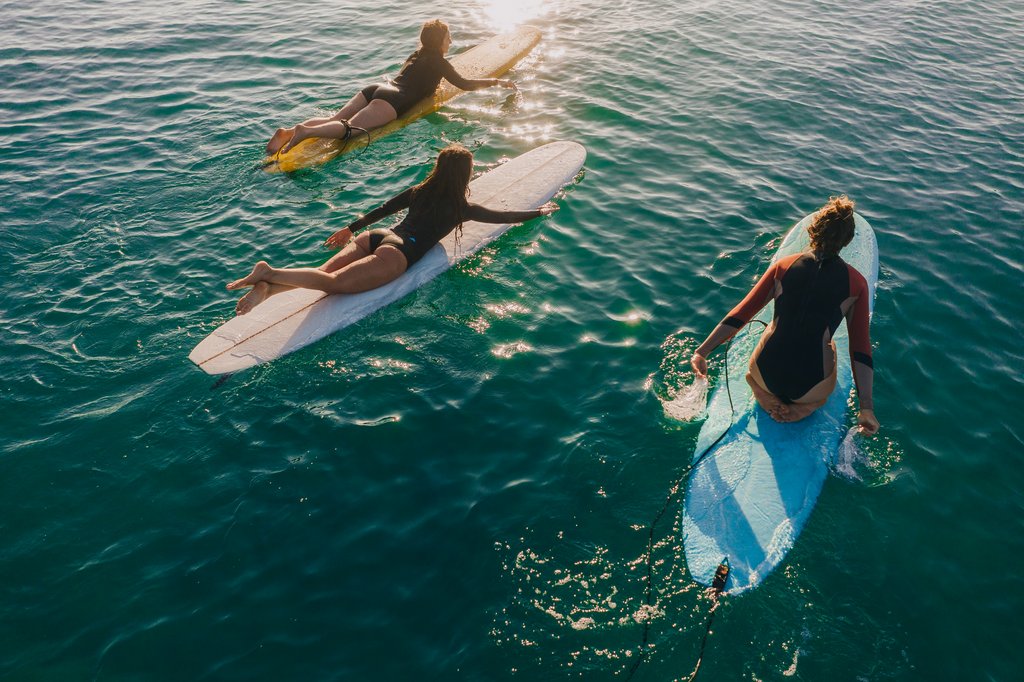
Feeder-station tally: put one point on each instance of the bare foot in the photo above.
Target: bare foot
(296, 137)
(279, 138)
(259, 272)
(798, 411)
(259, 293)
(775, 408)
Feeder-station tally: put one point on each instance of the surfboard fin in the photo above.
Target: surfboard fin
(721, 575)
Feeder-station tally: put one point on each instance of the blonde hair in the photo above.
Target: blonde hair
(832, 227)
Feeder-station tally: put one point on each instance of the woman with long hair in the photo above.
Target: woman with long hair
(435, 206)
(793, 369)
(375, 105)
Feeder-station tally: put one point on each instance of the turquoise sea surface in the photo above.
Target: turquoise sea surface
(459, 487)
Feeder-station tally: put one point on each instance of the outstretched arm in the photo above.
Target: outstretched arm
(390, 207)
(737, 318)
(462, 83)
(482, 214)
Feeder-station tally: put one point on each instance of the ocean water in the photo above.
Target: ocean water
(459, 486)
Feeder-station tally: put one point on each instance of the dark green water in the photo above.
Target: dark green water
(459, 486)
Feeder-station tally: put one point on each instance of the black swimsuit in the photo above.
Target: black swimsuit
(423, 226)
(419, 78)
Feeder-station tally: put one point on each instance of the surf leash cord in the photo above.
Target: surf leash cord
(276, 158)
(717, 585)
(723, 569)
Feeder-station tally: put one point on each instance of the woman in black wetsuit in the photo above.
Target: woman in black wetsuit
(375, 105)
(436, 206)
(793, 369)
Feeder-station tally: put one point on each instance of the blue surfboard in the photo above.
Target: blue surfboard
(749, 498)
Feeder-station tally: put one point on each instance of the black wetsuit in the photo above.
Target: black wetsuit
(809, 306)
(424, 226)
(419, 78)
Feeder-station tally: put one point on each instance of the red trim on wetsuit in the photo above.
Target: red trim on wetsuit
(858, 323)
(858, 319)
(759, 296)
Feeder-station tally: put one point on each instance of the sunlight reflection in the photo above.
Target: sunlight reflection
(504, 15)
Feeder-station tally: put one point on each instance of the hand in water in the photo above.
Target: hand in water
(548, 208)
(699, 364)
(339, 238)
(511, 85)
(868, 423)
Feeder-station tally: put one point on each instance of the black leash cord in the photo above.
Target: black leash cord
(348, 136)
(717, 585)
(365, 132)
(649, 587)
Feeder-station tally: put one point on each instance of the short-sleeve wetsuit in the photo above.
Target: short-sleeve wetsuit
(423, 226)
(811, 299)
(419, 78)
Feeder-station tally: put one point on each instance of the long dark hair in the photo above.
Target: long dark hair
(446, 189)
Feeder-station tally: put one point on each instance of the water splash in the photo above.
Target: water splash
(850, 457)
(683, 394)
(870, 460)
(690, 402)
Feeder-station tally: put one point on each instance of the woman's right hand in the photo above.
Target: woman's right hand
(339, 238)
(548, 208)
(511, 85)
(868, 422)
(699, 364)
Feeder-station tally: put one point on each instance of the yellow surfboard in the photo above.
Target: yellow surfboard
(489, 59)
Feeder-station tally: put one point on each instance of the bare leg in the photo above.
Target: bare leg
(261, 291)
(283, 135)
(374, 115)
(335, 130)
(356, 249)
(386, 264)
(351, 107)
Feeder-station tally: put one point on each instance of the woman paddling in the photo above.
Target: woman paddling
(376, 105)
(793, 368)
(436, 206)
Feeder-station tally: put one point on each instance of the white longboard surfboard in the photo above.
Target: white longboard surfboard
(748, 499)
(291, 320)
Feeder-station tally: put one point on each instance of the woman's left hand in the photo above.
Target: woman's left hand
(339, 238)
(511, 85)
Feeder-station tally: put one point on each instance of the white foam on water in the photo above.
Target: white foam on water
(850, 454)
(690, 402)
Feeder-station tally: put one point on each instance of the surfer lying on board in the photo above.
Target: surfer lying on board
(376, 105)
(436, 206)
(793, 368)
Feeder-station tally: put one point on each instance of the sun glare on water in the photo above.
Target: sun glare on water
(504, 15)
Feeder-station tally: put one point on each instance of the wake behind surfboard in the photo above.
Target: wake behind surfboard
(490, 59)
(748, 499)
(294, 319)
